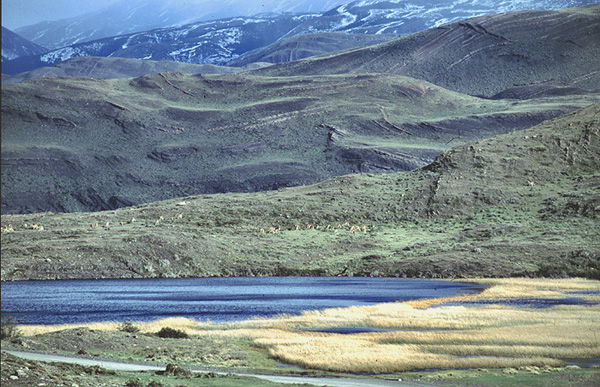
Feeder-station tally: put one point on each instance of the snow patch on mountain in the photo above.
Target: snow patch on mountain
(222, 40)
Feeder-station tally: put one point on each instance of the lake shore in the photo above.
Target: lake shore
(499, 336)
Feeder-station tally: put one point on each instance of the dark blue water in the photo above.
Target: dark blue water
(215, 299)
(535, 303)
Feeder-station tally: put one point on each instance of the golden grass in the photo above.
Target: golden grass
(154, 326)
(427, 333)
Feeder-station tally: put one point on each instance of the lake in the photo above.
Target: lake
(215, 299)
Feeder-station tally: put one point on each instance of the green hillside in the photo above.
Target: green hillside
(520, 204)
(80, 144)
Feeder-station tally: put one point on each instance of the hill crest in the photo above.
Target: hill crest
(481, 56)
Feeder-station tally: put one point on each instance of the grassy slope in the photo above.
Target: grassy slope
(83, 144)
(483, 55)
(471, 213)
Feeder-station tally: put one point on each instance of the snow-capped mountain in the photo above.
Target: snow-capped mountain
(213, 42)
(409, 16)
(15, 46)
(131, 16)
(222, 41)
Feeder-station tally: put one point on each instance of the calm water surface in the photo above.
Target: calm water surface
(215, 299)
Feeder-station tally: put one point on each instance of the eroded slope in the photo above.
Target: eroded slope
(86, 145)
(521, 204)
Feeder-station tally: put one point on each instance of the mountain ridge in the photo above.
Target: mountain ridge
(15, 46)
(224, 40)
(104, 144)
(134, 16)
(481, 56)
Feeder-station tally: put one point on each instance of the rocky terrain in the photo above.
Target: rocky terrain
(83, 144)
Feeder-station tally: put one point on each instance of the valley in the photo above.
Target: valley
(375, 139)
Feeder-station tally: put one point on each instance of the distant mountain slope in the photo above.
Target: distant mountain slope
(484, 55)
(132, 16)
(409, 16)
(95, 67)
(223, 41)
(213, 42)
(307, 45)
(82, 144)
(521, 204)
(15, 46)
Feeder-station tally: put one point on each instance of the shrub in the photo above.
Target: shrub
(9, 328)
(128, 326)
(177, 370)
(134, 383)
(170, 333)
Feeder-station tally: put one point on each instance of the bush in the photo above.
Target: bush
(134, 383)
(177, 370)
(170, 333)
(9, 328)
(128, 326)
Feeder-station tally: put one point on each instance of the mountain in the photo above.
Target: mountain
(214, 42)
(14, 46)
(131, 16)
(95, 67)
(406, 16)
(520, 204)
(225, 40)
(484, 55)
(307, 45)
(82, 144)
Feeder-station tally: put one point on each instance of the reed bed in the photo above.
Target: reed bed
(424, 334)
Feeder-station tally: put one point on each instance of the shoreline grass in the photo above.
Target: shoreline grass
(425, 334)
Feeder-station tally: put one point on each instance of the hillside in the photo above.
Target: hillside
(15, 46)
(520, 204)
(224, 39)
(96, 67)
(482, 56)
(210, 42)
(80, 144)
(307, 45)
(132, 16)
